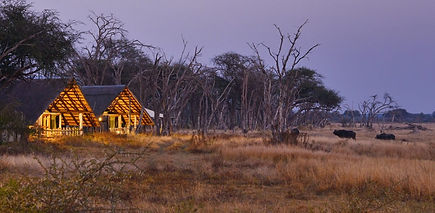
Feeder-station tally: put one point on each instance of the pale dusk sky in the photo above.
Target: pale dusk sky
(367, 47)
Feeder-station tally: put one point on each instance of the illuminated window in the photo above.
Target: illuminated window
(113, 122)
(54, 121)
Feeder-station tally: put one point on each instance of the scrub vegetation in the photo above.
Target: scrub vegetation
(224, 172)
(224, 137)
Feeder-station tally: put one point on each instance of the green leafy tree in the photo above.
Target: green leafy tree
(31, 42)
(307, 93)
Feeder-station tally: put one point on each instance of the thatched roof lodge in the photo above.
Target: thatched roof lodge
(117, 109)
(55, 106)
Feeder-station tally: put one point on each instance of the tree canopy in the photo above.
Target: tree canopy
(313, 91)
(31, 42)
(235, 91)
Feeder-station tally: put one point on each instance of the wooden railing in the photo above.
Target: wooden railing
(75, 131)
(122, 130)
(66, 131)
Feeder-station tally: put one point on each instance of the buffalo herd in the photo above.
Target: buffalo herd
(342, 133)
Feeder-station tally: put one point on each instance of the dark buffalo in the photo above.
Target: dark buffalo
(295, 131)
(345, 134)
(384, 136)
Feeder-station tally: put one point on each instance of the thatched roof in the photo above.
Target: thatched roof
(34, 97)
(100, 97)
(54, 95)
(116, 99)
(71, 103)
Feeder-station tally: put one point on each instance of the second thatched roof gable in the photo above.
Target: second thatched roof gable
(115, 99)
(100, 97)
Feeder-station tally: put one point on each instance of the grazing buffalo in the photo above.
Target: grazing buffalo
(345, 134)
(295, 131)
(384, 136)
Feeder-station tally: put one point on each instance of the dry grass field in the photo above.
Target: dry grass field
(225, 172)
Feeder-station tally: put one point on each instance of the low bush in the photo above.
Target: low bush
(73, 185)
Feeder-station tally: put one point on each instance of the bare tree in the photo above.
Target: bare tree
(237, 68)
(244, 100)
(94, 60)
(267, 78)
(109, 53)
(373, 106)
(286, 58)
(170, 85)
(125, 53)
(211, 102)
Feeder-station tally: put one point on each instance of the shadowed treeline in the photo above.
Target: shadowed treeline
(235, 92)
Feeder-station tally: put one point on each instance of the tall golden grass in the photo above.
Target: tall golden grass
(235, 172)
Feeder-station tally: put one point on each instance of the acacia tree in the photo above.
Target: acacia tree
(32, 43)
(373, 106)
(307, 96)
(286, 58)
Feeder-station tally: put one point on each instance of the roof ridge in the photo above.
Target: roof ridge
(115, 85)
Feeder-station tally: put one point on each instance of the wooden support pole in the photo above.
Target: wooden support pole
(119, 121)
(48, 125)
(40, 120)
(81, 123)
(48, 121)
(60, 121)
(129, 115)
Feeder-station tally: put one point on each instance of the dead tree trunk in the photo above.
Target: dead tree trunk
(285, 58)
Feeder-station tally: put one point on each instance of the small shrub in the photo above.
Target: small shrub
(201, 144)
(187, 206)
(371, 197)
(73, 185)
(12, 123)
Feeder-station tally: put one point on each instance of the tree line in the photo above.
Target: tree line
(234, 91)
